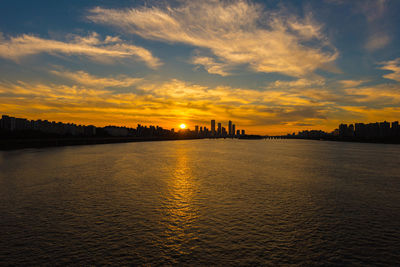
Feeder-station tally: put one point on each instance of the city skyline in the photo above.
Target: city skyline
(271, 67)
(373, 131)
(10, 125)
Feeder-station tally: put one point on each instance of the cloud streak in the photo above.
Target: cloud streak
(236, 32)
(211, 66)
(84, 78)
(394, 67)
(92, 46)
(351, 83)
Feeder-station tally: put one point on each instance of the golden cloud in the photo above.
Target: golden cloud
(92, 46)
(352, 83)
(299, 83)
(211, 66)
(167, 103)
(382, 95)
(394, 67)
(164, 103)
(84, 78)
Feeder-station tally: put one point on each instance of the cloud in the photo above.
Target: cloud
(299, 83)
(303, 124)
(91, 46)
(84, 78)
(211, 66)
(374, 11)
(369, 114)
(394, 67)
(376, 96)
(377, 40)
(236, 32)
(351, 83)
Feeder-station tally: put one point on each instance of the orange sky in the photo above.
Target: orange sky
(270, 68)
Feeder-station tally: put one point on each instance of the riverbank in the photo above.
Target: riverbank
(20, 143)
(392, 140)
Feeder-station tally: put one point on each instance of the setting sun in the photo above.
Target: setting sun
(182, 126)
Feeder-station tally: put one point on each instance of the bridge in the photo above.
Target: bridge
(277, 137)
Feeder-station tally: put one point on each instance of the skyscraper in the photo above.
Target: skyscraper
(230, 128)
(219, 129)
(213, 127)
(224, 133)
(233, 130)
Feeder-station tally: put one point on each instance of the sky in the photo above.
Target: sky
(272, 67)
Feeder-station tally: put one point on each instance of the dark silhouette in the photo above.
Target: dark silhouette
(21, 133)
(378, 132)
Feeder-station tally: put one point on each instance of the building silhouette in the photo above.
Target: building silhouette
(385, 132)
(11, 127)
(376, 130)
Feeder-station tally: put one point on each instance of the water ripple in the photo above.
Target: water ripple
(205, 202)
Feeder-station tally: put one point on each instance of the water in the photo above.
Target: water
(202, 202)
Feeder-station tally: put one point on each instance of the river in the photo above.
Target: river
(202, 202)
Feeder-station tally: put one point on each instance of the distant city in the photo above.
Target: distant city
(366, 132)
(25, 131)
(20, 128)
(220, 131)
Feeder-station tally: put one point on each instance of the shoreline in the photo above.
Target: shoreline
(392, 141)
(21, 143)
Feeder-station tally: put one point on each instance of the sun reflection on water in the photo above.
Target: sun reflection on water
(181, 211)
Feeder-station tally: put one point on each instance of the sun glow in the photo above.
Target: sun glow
(182, 126)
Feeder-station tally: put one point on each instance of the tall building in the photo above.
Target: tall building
(8, 123)
(233, 130)
(224, 133)
(196, 129)
(230, 128)
(384, 129)
(206, 131)
(395, 128)
(350, 130)
(237, 133)
(342, 129)
(346, 131)
(360, 130)
(219, 129)
(243, 132)
(213, 127)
